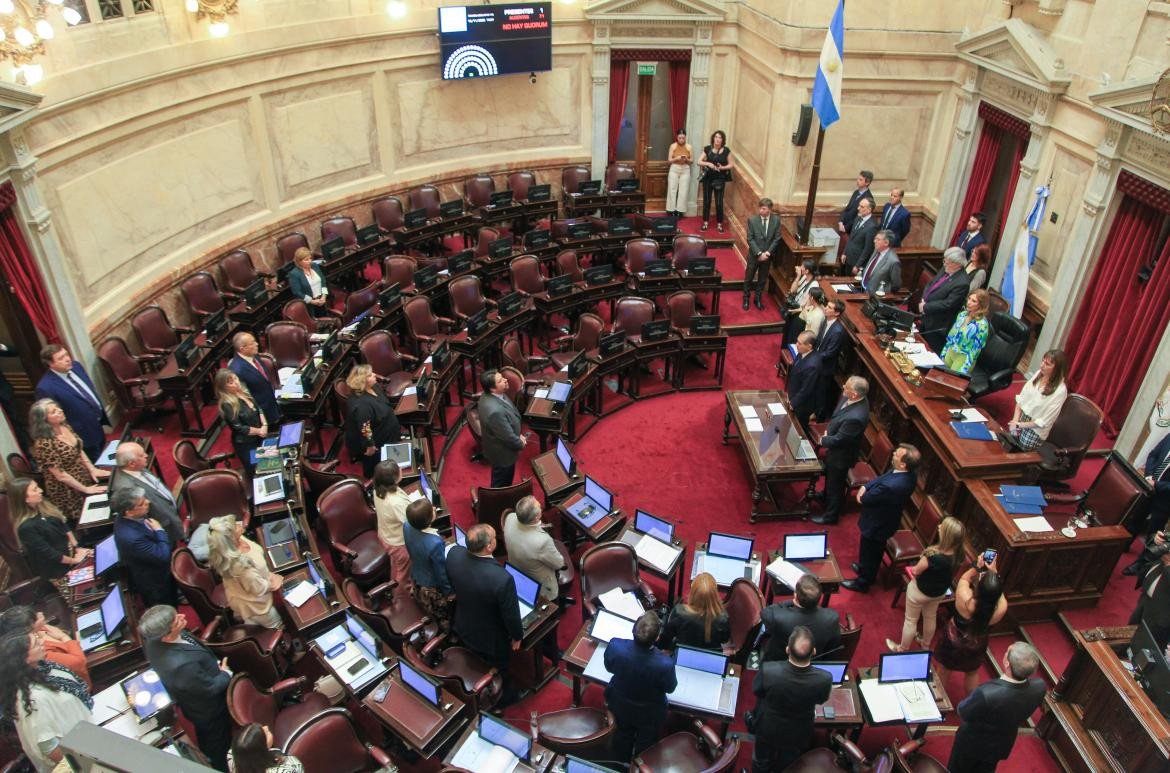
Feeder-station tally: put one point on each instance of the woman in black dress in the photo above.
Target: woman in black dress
(49, 546)
(717, 165)
(370, 422)
(700, 621)
(239, 411)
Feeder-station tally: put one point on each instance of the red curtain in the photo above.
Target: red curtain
(985, 155)
(619, 86)
(1021, 149)
(680, 82)
(1116, 331)
(20, 268)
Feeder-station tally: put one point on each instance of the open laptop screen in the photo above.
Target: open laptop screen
(460, 536)
(904, 666)
(559, 391)
(113, 611)
(425, 485)
(577, 765)
(655, 527)
(501, 733)
(526, 587)
(361, 634)
(700, 660)
(418, 682)
(805, 547)
(594, 491)
(563, 455)
(730, 546)
(105, 555)
(835, 670)
(291, 433)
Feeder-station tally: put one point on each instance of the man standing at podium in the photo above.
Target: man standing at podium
(787, 694)
(842, 439)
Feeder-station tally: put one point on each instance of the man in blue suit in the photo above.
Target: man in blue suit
(1157, 470)
(973, 236)
(882, 502)
(830, 343)
(254, 373)
(143, 546)
(67, 384)
(642, 677)
(803, 378)
(895, 218)
(842, 444)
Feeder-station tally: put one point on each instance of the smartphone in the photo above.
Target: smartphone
(358, 666)
(381, 690)
(989, 556)
(829, 712)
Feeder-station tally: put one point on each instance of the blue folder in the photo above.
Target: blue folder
(1019, 508)
(972, 430)
(1024, 495)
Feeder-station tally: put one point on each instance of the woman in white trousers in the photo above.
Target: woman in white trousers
(678, 181)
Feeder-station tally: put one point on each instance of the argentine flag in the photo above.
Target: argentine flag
(1015, 279)
(826, 95)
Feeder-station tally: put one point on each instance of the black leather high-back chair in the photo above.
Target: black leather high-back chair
(1006, 341)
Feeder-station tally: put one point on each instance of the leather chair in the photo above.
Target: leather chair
(572, 177)
(475, 427)
(607, 566)
(342, 226)
(460, 670)
(239, 271)
(424, 329)
(699, 750)
(249, 649)
(282, 708)
(189, 461)
(531, 365)
(1007, 339)
(841, 756)
(394, 616)
(863, 473)
(484, 237)
(488, 505)
(426, 197)
(685, 247)
(359, 301)
(906, 546)
(567, 264)
(743, 603)
(379, 352)
(630, 313)
(10, 549)
(201, 294)
(477, 190)
(590, 328)
(680, 307)
(212, 493)
(850, 638)
(387, 213)
(516, 387)
(155, 332)
(526, 276)
(199, 585)
(520, 182)
(1118, 496)
(330, 743)
(638, 252)
(618, 171)
(352, 526)
(287, 245)
(559, 229)
(297, 311)
(134, 389)
(342, 393)
(21, 467)
(400, 269)
(1069, 439)
(582, 731)
(317, 481)
(288, 343)
(466, 297)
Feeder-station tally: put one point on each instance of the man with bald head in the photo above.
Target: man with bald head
(132, 473)
(255, 374)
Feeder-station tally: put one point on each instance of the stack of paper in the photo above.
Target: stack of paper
(1022, 500)
(786, 572)
(753, 425)
(747, 411)
(300, 593)
(1033, 523)
(655, 552)
(973, 414)
(621, 603)
(904, 701)
(777, 409)
(481, 755)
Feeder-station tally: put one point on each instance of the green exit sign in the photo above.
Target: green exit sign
(647, 68)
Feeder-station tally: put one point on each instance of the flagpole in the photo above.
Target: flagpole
(802, 237)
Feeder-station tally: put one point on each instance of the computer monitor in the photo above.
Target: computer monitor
(704, 324)
(578, 765)
(561, 284)
(526, 587)
(460, 536)
(440, 354)
(657, 267)
(628, 185)
(105, 555)
(145, 693)
(113, 611)
(460, 262)
(542, 192)
(500, 733)
(701, 266)
(598, 494)
(426, 277)
(655, 330)
(185, 352)
(589, 187)
(330, 347)
(700, 660)
(1151, 667)
(581, 230)
(418, 681)
(415, 218)
(730, 546)
(316, 579)
(400, 453)
(904, 666)
(510, 303)
(291, 434)
(654, 526)
(536, 238)
(368, 234)
(565, 457)
(332, 248)
(390, 296)
(598, 275)
(477, 322)
(255, 293)
(449, 209)
(620, 226)
(425, 484)
(362, 634)
(559, 391)
(500, 198)
(835, 670)
(812, 546)
(215, 324)
(499, 248)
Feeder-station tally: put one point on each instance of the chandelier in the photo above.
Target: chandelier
(24, 29)
(215, 10)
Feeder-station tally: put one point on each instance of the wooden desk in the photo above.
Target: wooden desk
(775, 464)
(257, 317)
(423, 727)
(941, 699)
(603, 531)
(315, 614)
(422, 416)
(186, 384)
(703, 283)
(1098, 718)
(541, 758)
(554, 480)
(693, 344)
(544, 624)
(827, 570)
(549, 419)
(846, 702)
(673, 576)
(668, 349)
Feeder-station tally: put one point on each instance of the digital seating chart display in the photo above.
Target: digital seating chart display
(476, 41)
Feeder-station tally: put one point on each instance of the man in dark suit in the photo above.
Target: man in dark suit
(763, 236)
(1153, 604)
(882, 501)
(487, 610)
(500, 435)
(829, 345)
(992, 713)
(842, 440)
(143, 546)
(780, 620)
(67, 384)
(193, 678)
(859, 244)
(642, 678)
(1157, 472)
(896, 218)
(132, 473)
(849, 214)
(787, 694)
(255, 375)
(883, 267)
(804, 377)
(973, 236)
(944, 297)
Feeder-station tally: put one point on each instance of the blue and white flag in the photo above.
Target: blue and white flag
(1015, 279)
(826, 95)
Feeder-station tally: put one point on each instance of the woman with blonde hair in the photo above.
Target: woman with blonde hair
(240, 564)
(700, 620)
(240, 412)
(968, 335)
(58, 451)
(306, 280)
(390, 503)
(370, 422)
(49, 546)
(933, 575)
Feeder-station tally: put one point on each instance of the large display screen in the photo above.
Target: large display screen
(476, 41)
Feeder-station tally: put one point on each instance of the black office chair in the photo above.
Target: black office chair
(1006, 341)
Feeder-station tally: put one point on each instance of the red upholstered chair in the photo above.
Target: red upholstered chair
(559, 229)
(850, 638)
(353, 533)
(520, 182)
(423, 327)
(392, 614)
(618, 171)
(906, 546)
(317, 481)
(583, 731)
(297, 311)
(590, 328)
(1118, 496)
(134, 389)
(567, 264)
(459, 669)
(330, 743)
(387, 213)
(607, 566)
(680, 307)
(844, 756)
(155, 332)
(426, 197)
(288, 343)
(572, 177)
(287, 245)
(359, 301)
(249, 649)
(10, 549)
(526, 276)
(743, 603)
(21, 467)
(239, 271)
(475, 427)
(248, 702)
(880, 453)
(488, 505)
(531, 365)
(378, 350)
(201, 294)
(342, 226)
(210, 493)
(515, 389)
(189, 461)
(485, 236)
(630, 313)
(477, 190)
(466, 297)
(699, 750)
(400, 269)
(341, 390)
(200, 586)
(686, 247)
(1069, 439)
(637, 253)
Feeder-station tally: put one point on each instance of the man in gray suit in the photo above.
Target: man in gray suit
(883, 266)
(763, 234)
(500, 428)
(859, 244)
(132, 473)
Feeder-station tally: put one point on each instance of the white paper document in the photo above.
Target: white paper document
(621, 603)
(907, 701)
(705, 691)
(777, 409)
(786, 572)
(595, 669)
(655, 552)
(843, 288)
(1033, 523)
(973, 414)
(300, 593)
(410, 390)
(415, 495)
(540, 394)
(607, 627)
(881, 700)
(480, 755)
(747, 411)
(754, 425)
(95, 509)
(107, 457)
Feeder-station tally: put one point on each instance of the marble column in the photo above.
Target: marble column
(960, 159)
(601, 57)
(697, 109)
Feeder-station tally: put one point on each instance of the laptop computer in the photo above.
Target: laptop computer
(105, 555)
(812, 546)
(97, 626)
(527, 590)
(568, 463)
(651, 538)
(800, 448)
(368, 234)
(700, 680)
(460, 535)
(904, 667)
(559, 391)
(402, 453)
(836, 670)
(419, 682)
(727, 557)
(145, 694)
(654, 526)
(608, 626)
(291, 434)
(428, 491)
(578, 765)
(595, 504)
(494, 746)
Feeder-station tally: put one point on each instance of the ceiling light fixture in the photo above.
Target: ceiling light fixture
(24, 28)
(215, 11)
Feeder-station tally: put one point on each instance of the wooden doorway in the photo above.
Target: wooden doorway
(646, 133)
(21, 365)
